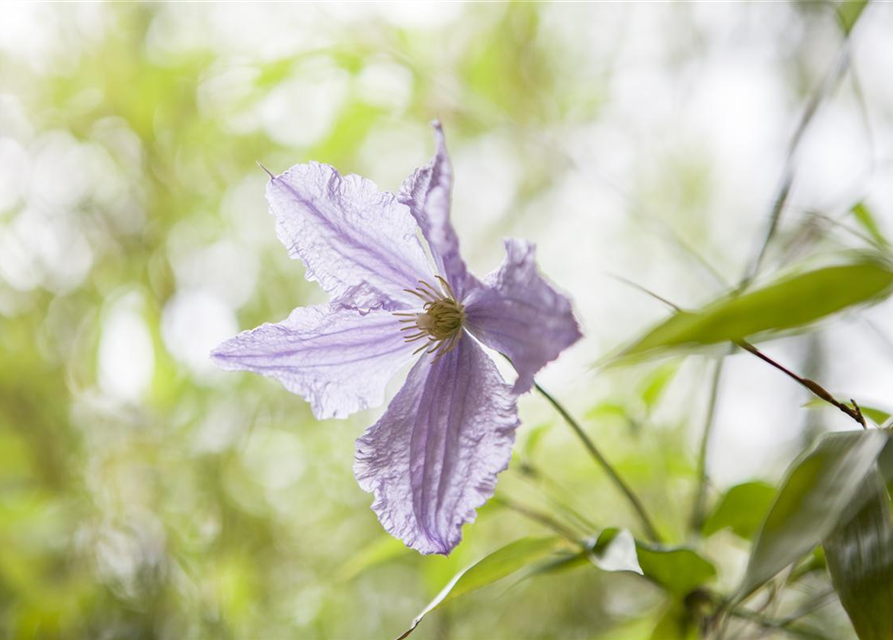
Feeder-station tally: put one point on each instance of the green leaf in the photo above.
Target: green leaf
(613, 550)
(741, 509)
(678, 571)
(616, 550)
(657, 382)
(866, 220)
(859, 554)
(786, 304)
(878, 416)
(496, 566)
(819, 486)
(848, 13)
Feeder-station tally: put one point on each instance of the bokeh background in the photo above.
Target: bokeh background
(144, 494)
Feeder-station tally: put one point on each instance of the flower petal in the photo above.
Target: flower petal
(337, 358)
(347, 232)
(518, 313)
(427, 194)
(432, 459)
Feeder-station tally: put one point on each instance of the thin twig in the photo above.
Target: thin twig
(547, 521)
(829, 83)
(697, 512)
(814, 387)
(538, 478)
(636, 285)
(597, 455)
(785, 624)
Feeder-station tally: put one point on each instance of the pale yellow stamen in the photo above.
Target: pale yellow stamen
(440, 321)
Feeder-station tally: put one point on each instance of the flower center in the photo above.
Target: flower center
(439, 322)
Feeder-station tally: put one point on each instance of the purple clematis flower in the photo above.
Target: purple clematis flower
(433, 457)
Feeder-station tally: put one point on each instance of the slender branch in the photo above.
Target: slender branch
(829, 83)
(786, 624)
(547, 521)
(697, 512)
(777, 625)
(815, 388)
(600, 459)
(538, 478)
(649, 292)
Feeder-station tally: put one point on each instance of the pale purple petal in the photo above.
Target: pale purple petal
(427, 193)
(518, 313)
(337, 358)
(347, 233)
(432, 459)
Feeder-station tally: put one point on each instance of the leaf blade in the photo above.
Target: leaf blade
(741, 509)
(859, 554)
(493, 567)
(865, 218)
(848, 13)
(818, 488)
(678, 571)
(783, 305)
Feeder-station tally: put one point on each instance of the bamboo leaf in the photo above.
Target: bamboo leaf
(616, 550)
(848, 12)
(817, 491)
(859, 554)
(678, 571)
(866, 220)
(742, 509)
(787, 304)
(656, 383)
(492, 568)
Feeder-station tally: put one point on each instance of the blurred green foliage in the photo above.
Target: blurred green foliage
(145, 495)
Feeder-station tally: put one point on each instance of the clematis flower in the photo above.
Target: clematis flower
(400, 290)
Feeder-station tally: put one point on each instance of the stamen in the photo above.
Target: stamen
(419, 292)
(433, 291)
(420, 349)
(440, 320)
(450, 345)
(446, 287)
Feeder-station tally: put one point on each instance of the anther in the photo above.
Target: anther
(440, 320)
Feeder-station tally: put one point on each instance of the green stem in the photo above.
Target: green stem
(538, 478)
(547, 521)
(697, 512)
(829, 83)
(786, 624)
(597, 455)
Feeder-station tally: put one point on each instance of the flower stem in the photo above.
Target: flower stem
(600, 459)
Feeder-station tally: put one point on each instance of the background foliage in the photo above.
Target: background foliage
(144, 494)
